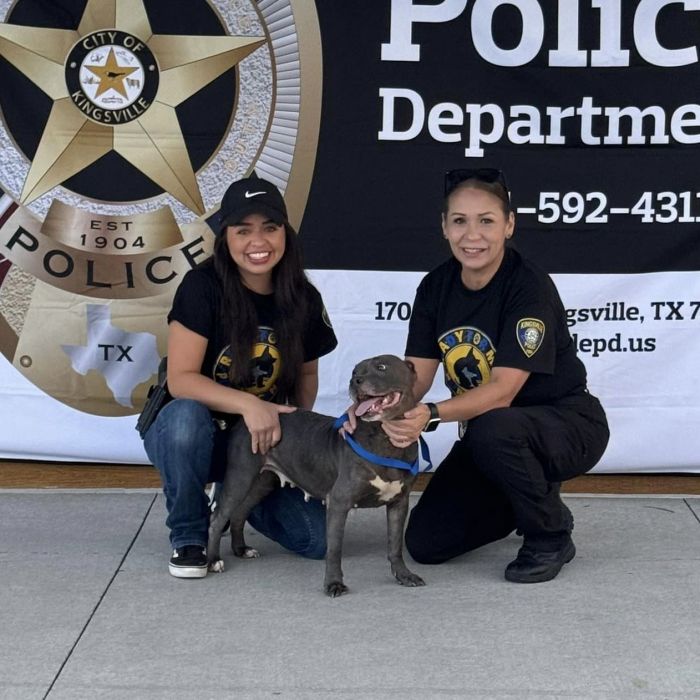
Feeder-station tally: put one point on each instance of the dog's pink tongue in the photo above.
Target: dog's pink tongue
(364, 406)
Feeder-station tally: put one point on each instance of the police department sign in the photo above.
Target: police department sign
(590, 108)
(124, 122)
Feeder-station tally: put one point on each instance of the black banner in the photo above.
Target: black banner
(590, 111)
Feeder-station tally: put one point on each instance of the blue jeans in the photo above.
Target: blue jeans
(188, 450)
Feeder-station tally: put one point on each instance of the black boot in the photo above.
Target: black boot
(540, 559)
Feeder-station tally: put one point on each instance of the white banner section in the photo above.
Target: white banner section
(638, 336)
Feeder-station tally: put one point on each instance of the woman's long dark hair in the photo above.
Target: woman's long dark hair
(290, 290)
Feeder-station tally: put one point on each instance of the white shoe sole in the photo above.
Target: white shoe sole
(187, 571)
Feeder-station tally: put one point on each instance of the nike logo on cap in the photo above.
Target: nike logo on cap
(248, 195)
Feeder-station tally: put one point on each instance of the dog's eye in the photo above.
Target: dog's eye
(381, 367)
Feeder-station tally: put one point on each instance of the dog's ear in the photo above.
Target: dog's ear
(414, 379)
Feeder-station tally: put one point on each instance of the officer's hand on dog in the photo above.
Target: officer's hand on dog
(351, 423)
(405, 431)
(263, 423)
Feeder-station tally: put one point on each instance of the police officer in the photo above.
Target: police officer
(527, 421)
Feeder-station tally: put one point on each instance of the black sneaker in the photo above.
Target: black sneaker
(536, 563)
(189, 561)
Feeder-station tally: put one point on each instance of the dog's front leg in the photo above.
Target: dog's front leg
(337, 510)
(396, 513)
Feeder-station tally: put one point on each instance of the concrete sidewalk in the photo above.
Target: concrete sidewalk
(88, 610)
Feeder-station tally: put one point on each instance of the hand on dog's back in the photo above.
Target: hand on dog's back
(263, 423)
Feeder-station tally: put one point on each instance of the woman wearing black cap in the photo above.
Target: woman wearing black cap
(245, 333)
(527, 420)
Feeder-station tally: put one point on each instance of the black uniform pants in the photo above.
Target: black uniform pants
(505, 473)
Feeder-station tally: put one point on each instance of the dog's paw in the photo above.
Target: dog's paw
(409, 579)
(335, 589)
(216, 566)
(246, 552)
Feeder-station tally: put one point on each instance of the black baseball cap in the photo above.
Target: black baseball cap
(251, 195)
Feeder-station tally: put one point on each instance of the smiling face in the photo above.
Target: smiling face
(476, 227)
(256, 245)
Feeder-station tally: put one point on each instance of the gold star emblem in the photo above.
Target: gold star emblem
(145, 131)
(111, 75)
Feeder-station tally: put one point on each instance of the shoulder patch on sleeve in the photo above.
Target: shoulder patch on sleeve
(530, 333)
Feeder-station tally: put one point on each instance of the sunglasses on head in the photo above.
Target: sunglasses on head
(456, 177)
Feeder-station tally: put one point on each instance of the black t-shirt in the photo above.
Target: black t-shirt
(197, 305)
(517, 320)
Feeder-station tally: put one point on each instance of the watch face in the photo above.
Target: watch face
(431, 425)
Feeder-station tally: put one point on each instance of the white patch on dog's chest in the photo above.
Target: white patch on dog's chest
(388, 490)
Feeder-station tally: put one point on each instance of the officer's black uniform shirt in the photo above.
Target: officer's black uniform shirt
(517, 320)
(197, 306)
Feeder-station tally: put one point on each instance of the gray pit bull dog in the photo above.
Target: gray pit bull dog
(314, 456)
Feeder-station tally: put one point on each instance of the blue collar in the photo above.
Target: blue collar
(385, 461)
